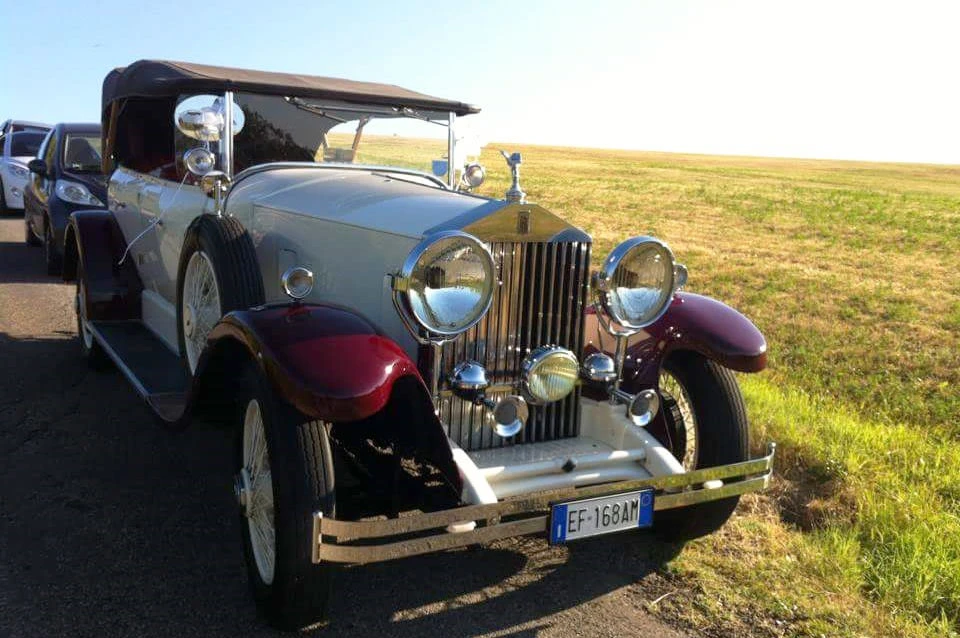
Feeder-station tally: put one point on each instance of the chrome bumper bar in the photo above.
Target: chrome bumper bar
(361, 542)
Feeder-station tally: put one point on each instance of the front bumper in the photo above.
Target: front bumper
(360, 542)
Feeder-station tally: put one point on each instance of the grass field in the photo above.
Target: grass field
(852, 270)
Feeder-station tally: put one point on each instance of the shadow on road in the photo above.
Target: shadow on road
(110, 525)
(22, 264)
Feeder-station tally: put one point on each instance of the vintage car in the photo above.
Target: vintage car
(407, 366)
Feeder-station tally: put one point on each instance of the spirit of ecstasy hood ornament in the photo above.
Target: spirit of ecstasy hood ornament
(515, 194)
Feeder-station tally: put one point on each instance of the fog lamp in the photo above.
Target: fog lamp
(549, 374)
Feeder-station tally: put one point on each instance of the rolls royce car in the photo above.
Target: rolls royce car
(19, 143)
(406, 366)
(66, 176)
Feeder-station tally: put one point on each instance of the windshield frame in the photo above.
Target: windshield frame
(318, 106)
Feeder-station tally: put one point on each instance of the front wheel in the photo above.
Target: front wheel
(707, 426)
(30, 237)
(285, 475)
(53, 258)
(218, 273)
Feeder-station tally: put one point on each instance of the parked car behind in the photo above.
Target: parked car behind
(19, 142)
(66, 176)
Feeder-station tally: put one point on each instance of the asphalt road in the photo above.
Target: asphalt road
(112, 526)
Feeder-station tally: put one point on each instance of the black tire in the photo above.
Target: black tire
(29, 237)
(93, 353)
(230, 249)
(301, 465)
(722, 433)
(52, 257)
(4, 211)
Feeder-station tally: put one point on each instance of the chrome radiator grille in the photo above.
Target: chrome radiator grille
(539, 301)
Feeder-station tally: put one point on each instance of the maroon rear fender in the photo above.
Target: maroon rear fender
(692, 322)
(327, 361)
(94, 239)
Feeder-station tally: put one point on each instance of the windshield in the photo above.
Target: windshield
(26, 143)
(281, 128)
(16, 128)
(81, 153)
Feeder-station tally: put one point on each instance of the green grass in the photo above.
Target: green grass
(852, 271)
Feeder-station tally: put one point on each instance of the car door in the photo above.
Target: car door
(167, 208)
(42, 185)
(123, 193)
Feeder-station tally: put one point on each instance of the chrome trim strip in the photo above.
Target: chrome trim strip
(127, 372)
(754, 475)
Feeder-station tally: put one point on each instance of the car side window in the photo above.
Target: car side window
(48, 151)
(144, 137)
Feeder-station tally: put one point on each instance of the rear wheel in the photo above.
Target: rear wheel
(285, 475)
(707, 425)
(218, 273)
(91, 350)
(54, 259)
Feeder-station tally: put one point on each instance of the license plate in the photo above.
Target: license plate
(601, 515)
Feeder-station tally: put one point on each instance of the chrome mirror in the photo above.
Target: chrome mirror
(201, 117)
(199, 161)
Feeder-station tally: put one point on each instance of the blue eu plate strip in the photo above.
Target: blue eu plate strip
(646, 509)
(558, 527)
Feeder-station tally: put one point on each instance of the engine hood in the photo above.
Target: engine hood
(392, 203)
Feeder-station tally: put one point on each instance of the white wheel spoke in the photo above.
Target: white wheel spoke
(201, 305)
(672, 386)
(258, 486)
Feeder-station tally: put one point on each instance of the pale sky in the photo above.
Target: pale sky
(852, 80)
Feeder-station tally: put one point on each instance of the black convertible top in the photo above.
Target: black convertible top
(161, 78)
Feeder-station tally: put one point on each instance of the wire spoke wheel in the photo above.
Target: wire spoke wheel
(671, 387)
(201, 307)
(255, 491)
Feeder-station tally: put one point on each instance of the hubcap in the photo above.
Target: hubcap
(200, 305)
(670, 385)
(253, 487)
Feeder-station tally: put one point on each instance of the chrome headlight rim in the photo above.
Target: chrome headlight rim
(675, 273)
(421, 330)
(538, 357)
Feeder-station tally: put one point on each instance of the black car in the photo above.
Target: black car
(66, 176)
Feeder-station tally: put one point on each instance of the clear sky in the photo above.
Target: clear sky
(840, 79)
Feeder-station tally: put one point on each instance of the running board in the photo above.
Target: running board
(156, 373)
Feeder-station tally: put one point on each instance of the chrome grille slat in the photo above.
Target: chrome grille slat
(540, 301)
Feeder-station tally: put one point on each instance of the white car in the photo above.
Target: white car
(20, 142)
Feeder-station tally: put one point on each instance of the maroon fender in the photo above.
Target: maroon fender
(335, 366)
(692, 322)
(327, 361)
(93, 238)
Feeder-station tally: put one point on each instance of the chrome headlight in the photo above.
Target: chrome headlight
(446, 284)
(549, 374)
(19, 171)
(76, 193)
(637, 282)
